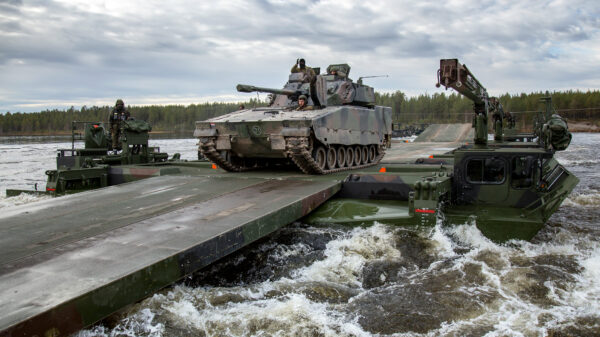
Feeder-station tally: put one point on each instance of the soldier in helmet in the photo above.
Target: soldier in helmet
(300, 67)
(118, 114)
(302, 100)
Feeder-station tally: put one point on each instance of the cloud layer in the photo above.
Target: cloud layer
(80, 52)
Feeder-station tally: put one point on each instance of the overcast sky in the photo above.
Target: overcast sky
(84, 52)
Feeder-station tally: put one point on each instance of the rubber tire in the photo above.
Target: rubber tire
(341, 157)
(320, 156)
(331, 158)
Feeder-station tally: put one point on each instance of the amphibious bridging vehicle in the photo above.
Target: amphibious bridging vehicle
(510, 188)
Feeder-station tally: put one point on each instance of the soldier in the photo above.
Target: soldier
(300, 67)
(118, 114)
(302, 104)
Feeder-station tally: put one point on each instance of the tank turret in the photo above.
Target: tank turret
(336, 88)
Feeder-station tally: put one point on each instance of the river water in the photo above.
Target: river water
(374, 281)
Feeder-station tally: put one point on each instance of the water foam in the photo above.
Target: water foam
(583, 199)
(345, 257)
(21, 199)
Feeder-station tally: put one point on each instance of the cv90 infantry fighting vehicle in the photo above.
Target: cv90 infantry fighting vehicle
(340, 129)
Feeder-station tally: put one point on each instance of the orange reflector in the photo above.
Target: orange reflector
(406, 141)
(50, 189)
(214, 167)
(419, 210)
(431, 157)
(382, 170)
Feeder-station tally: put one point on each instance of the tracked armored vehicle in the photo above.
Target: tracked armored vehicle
(341, 128)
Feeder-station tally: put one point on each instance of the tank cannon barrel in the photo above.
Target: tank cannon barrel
(251, 88)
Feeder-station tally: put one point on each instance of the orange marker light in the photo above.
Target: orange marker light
(431, 157)
(214, 167)
(382, 170)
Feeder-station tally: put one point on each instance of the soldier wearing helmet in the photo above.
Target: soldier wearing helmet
(302, 104)
(300, 67)
(118, 114)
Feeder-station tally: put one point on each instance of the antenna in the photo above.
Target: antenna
(361, 78)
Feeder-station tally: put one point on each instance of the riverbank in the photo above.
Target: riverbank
(583, 126)
(62, 133)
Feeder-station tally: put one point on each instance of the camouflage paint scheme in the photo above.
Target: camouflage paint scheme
(343, 113)
(260, 132)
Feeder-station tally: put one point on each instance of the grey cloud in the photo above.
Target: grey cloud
(194, 48)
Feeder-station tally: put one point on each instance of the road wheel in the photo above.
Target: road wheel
(320, 156)
(364, 154)
(349, 155)
(357, 156)
(341, 156)
(372, 153)
(331, 158)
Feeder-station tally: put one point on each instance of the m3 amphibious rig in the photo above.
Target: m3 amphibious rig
(341, 128)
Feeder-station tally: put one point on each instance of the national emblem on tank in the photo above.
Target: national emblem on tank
(321, 124)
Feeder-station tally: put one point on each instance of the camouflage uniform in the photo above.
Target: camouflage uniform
(305, 106)
(307, 71)
(118, 114)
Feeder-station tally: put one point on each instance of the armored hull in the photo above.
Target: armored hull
(317, 141)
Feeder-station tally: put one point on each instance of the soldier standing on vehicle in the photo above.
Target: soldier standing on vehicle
(118, 114)
(300, 67)
(302, 104)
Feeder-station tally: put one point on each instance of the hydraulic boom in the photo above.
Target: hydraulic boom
(458, 77)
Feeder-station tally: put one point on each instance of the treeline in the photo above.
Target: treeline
(168, 118)
(426, 108)
(453, 107)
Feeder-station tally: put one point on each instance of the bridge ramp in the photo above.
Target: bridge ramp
(455, 133)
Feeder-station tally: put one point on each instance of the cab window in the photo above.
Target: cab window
(486, 171)
(523, 169)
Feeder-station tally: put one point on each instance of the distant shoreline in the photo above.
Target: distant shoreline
(581, 126)
(160, 133)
